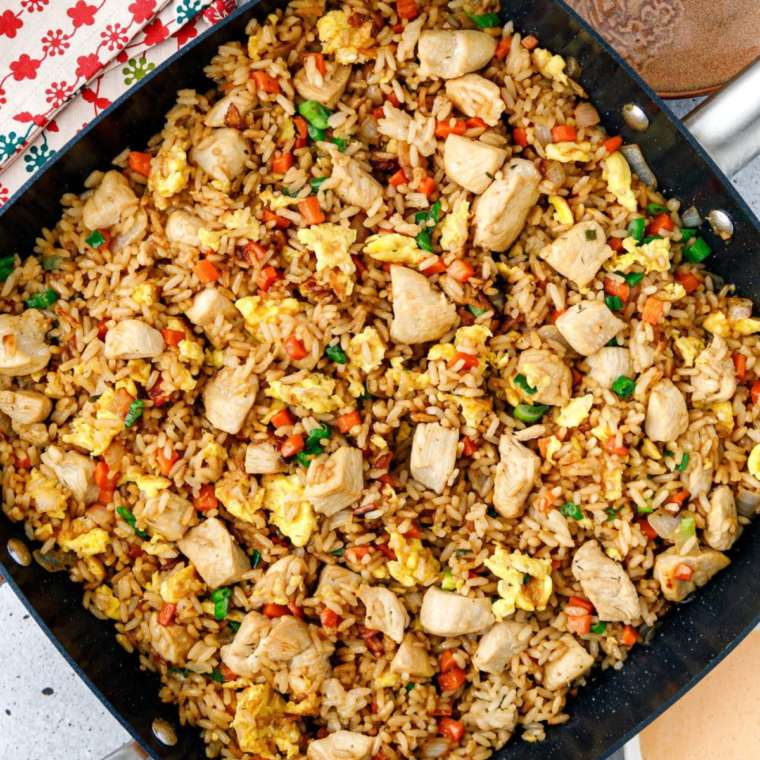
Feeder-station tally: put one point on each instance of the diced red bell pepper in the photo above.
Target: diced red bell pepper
(451, 729)
(206, 499)
(166, 615)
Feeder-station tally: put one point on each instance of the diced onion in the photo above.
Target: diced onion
(691, 218)
(100, 515)
(435, 748)
(638, 164)
(635, 117)
(543, 134)
(664, 524)
(747, 502)
(573, 68)
(586, 115)
(133, 234)
(555, 173)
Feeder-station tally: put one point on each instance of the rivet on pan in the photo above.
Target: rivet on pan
(164, 732)
(19, 553)
(721, 223)
(635, 117)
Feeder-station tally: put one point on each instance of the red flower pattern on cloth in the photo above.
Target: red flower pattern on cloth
(155, 32)
(25, 67)
(57, 93)
(88, 66)
(142, 10)
(218, 10)
(34, 5)
(55, 43)
(10, 23)
(82, 14)
(115, 37)
(186, 33)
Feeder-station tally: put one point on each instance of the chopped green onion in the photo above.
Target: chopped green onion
(611, 513)
(131, 520)
(338, 553)
(315, 113)
(316, 183)
(655, 208)
(612, 344)
(135, 412)
(486, 21)
(491, 512)
(318, 135)
(8, 264)
(221, 599)
(650, 239)
(590, 234)
(624, 386)
(448, 583)
(632, 279)
(255, 558)
(409, 687)
(697, 251)
(341, 143)
(613, 303)
(684, 463)
(687, 234)
(463, 552)
(217, 676)
(320, 433)
(42, 300)
(530, 414)
(96, 239)
(521, 382)
(287, 193)
(636, 229)
(337, 354)
(667, 453)
(234, 625)
(599, 628)
(647, 510)
(304, 456)
(571, 510)
(184, 672)
(434, 212)
(424, 241)
(685, 532)
(476, 311)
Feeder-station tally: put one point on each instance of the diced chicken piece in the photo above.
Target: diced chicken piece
(222, 155)
(337, 483)
(26, 407)
(133, 339)
(287, 639)
(333, 580)
(548, 374)
(340, 705)
(341, 745)
(588, 326)
(434, 455)
(703, 565)
(722, 527)
(501, 212)
(168, 515)
(412, 659)
(698, 477)
(716, 379)
(23, 350)
(486, 715)
(446, 613)
(475, 95)
(516, 475)
(263, 459)
(667, 416)
(36, 434)
(74, 471)
(172, 642)
(451, 54)
(579, 253)
(498, 646)
(606, 583)
(309, 669)
(385, 611)
(333, 85)
(471, 163)
(608, 364)
(420, 312)
(240, 654)
(282, 580)
(209, 305)
(574, 662)
(357, 187)
(182, 229)
(230, 110)
(228, 398)
(641, 347)
(112, 201)
(215, 553)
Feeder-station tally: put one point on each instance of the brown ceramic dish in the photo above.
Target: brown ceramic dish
(682, 48)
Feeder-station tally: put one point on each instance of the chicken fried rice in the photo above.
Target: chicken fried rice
(376, 401)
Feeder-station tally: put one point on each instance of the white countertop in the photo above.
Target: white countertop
(47, 712)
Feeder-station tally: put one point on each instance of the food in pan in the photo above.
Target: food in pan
(376, 400)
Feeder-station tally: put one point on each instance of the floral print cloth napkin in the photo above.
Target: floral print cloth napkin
(63, 61)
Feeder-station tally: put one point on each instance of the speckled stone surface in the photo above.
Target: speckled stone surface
(47, 712)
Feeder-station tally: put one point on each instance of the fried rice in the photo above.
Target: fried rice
(375, 401)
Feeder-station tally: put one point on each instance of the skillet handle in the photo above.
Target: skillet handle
(131, 751)
(727, 124)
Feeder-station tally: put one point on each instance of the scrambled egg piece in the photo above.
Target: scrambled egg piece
(477, 335)
(445, 351)
(526, 582)
(46, 494)
(287, 132)
(576, 411)
(455, 226)
(150, 485)
(718, 324)
(291, 512)
(210, 239)
(613, 485)
(747, 326)
(191, 351)
(724, 412)
(565, 152)
(158, 547)
(236, 221)
(145, 293)
(387, 680)
(97, 438)
(214, 358)
(551, 66)
(474, 410)
(139, 370)
(350, 44)
(672, 292)
(617, 174)
(177, 586)
(392, 247)
(562, 214)
(257, 310)
(650, 450)
(654, 256)
(371, 338)
(552, 448)
(315, 392)
(93, 542)
(753, 463)
(169, 171)
(234, 491)
(331, 243)
(418, 380)
(261, 725)
(407, 568)
(106, 602)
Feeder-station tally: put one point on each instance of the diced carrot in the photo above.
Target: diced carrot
(292, 446)
(579, 623)
(228, 674)
(135, 552)
(520, 136)
(476, 123)
(348, 421)
(311, 211)
(450, 127)
(302, 130)
(469, 447)
(556, 314)
(647, 529)
(630, 637)
(613, 143)
(578, 601)
(530, 42)
(267, 277)
(266, 83)
(399, 178)
(206, 499)
(295, 610)
(755, 392)
(652, 310)
(564, 133)
(448, 661)
(543, 445)
(165, 463)
(166, 615)
(616, 244)
(452, 679)
(102, 481)
(614, 288)
(102, 329)
(121, 403)
(461, 270)
(275, 610)
(295, 348)
(282, 419)
(451, 729)
(378, 112)
(689, 281)
(504, 46)
(359, 264)
(407, 9)
(254, 250)
(413, 532)
(442, 710)
(386, 550)
(556, 564)
(206, 272)
(435, 267)
(680, 498)
(319, 60)
(329, 618)
(282, 162)
(280, 222)
(740, 366)
(611, 446)
(173, 337)
(661, 222)
(392, 98)
(427, 186)
(356, 553)
(387, 480)
(467, 361)
(140, 162)
(683, 572)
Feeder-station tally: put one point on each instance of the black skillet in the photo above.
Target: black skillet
(693, 637)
